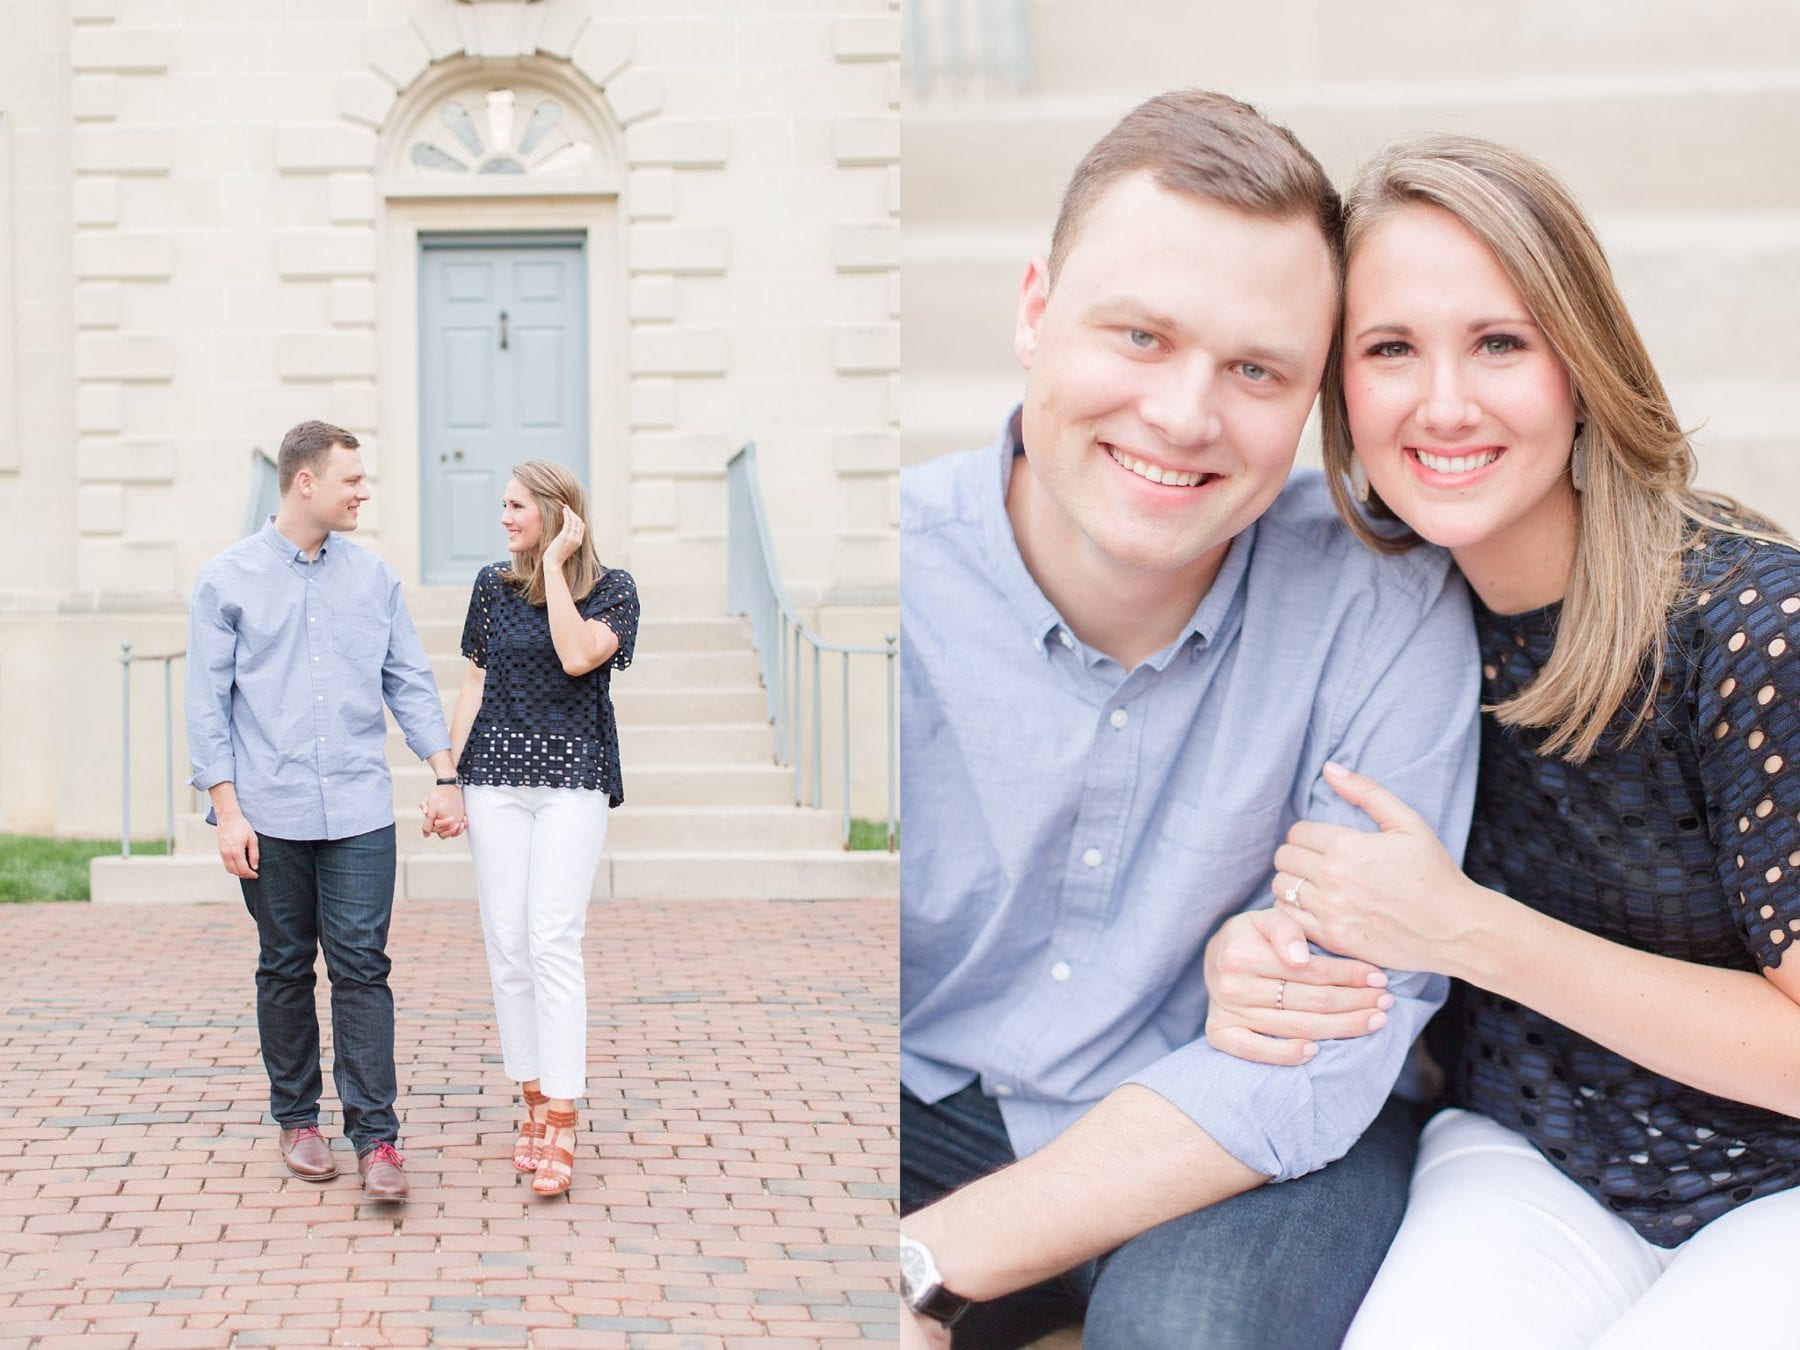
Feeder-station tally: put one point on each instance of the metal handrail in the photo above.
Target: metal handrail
(168, 660)
(754, 589)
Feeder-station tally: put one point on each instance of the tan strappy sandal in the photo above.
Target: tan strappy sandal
(531, 1132)
(556, 1164)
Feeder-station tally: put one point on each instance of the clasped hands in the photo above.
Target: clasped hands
(1391, 898)
(443, 812)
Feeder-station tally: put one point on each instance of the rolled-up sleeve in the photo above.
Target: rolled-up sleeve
(1411, 721)
(407, 683)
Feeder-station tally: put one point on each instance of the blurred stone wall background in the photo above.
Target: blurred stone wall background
(1676, 123)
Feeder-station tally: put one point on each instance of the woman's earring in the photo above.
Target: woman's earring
(1578, 462)
(1359, 481)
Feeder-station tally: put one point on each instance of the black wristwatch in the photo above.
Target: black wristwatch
(449, 782)
(922, 1288)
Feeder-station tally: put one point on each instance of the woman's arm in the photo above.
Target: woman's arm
(581, 644)
(1397, 899)
(468, 704)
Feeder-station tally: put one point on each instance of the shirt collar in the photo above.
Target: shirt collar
(287, 550)
(1033, 607)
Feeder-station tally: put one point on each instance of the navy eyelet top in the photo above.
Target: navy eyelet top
(537, 726)
(1686, 843)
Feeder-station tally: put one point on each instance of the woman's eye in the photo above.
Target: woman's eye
(1500, 344)
(1390, 350)
(1253, 372)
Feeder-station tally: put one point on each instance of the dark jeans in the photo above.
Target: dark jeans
(1282, 1267)
(337, 894)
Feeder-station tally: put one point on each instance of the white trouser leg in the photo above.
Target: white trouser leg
(1499, 1250)
(1726, 1286)
(500, 831)
(565, 851)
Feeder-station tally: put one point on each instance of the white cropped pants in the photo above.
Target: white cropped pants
(535, 850)
(1500, 1251)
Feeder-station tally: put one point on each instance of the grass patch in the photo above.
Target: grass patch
(35, 868)
(870, 836)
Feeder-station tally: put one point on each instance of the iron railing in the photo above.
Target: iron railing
(754, 589)
(168, 660)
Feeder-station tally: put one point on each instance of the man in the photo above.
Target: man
(295, 635)
(1128, 653)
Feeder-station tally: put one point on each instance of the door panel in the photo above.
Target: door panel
(502, 379)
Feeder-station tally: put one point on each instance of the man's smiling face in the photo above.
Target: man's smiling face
(1171, 366)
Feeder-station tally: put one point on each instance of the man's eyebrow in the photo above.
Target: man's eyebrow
(1126, 309)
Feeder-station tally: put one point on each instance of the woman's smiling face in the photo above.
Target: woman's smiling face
(1460, 412)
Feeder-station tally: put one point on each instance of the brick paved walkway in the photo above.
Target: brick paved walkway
(736, 1184)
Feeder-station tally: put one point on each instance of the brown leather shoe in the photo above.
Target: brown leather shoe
(307, 1155)
(381, 1174)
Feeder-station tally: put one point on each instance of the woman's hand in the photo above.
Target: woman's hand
(568, 540)
(1395, 897)
(1270, 999)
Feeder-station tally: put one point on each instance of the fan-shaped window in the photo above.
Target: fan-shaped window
(502, 133)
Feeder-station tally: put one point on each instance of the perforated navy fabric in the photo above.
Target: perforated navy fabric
(1686, 842)
(538, 727)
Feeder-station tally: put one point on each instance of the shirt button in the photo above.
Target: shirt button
(1091, 857)
(321, 740)
(1061, 971)
(1119, 718)
(315, 660)
(311, 619)
(1002, 1090)
(1062, 636)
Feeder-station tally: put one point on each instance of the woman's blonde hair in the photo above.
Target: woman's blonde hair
(1637, 500)
(553, 487)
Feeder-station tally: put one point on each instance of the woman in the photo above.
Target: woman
(1621, 1162)
(537, 749)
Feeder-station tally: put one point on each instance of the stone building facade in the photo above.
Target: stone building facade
(1677, 124)
(221, 217)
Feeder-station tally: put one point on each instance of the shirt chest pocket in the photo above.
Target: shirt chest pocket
(358, 639)
(1228, 854)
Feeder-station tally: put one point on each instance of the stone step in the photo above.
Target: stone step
(631, 827)
(653, 785)
(799, 874)
(665, 670)
(1006, 160)
(746, 743)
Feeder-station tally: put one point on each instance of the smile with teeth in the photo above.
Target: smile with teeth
(1167, 477)
(1458, 463)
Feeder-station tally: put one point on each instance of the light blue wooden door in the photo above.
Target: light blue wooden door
(502, 379)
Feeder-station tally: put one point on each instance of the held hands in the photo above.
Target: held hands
(443, 812)
(1270, 999)
(1395, 898)
(568, 540)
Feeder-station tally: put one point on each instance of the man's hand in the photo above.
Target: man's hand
(237, 846)
(443, 812)
(922, 1333)
(1270, 999)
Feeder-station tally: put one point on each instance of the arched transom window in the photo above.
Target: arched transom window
(502, 132)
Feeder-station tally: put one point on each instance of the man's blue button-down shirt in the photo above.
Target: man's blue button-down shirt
(288, 664)
(1076, 831)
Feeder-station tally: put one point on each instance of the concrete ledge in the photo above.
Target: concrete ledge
(161, 881)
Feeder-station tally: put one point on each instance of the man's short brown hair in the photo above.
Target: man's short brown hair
(1210, 146)
(308, 446)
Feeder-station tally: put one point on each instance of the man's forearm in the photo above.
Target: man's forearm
(224, 800)
(1131, 1163)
